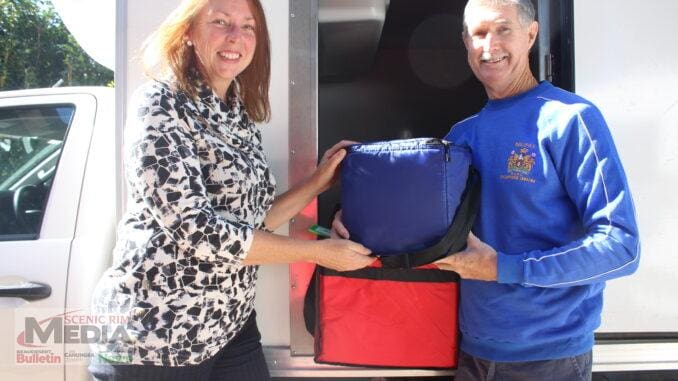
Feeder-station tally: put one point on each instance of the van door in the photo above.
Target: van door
(44, 141)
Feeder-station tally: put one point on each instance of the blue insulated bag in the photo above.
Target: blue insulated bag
(410, 201)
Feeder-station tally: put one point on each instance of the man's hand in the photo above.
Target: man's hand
(338, 230)
(478, 261)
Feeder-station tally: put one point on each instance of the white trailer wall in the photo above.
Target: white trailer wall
(625, 54)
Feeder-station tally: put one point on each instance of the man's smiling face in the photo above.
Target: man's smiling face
(498, 47)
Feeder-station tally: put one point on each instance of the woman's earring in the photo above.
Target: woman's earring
(189, 43)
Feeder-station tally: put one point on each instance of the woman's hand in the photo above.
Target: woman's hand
(288, 204)
(342, 254)
(478, 261)
(327, 172)
(338, 229)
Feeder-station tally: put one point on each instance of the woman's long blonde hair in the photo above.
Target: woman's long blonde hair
(165, 51)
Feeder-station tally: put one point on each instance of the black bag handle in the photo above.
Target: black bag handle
(455, 238)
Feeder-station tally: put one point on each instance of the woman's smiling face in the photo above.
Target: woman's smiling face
(224, 39)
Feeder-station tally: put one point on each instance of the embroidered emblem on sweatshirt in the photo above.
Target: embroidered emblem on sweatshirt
(520, 162)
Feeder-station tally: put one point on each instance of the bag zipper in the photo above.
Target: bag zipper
(446, 146)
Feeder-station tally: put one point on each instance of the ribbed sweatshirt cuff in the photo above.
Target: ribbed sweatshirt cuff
(510, 268)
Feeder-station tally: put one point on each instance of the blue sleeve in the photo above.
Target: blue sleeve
(589, 168)
(460, 133)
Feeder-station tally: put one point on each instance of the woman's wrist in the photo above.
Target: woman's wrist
(310, 187)
(315, 187)
(311, 251)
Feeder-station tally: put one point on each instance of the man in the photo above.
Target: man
(556, 218)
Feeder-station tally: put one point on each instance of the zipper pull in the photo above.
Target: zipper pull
(447, 150)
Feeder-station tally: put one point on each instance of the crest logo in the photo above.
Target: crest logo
(520, 162)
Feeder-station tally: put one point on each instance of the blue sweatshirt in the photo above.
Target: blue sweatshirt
(556, 207)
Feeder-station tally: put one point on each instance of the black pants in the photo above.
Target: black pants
(242, 359)
(577, 368)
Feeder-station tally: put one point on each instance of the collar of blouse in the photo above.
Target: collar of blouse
(228, 118)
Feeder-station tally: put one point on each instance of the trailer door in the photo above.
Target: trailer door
(387, 69)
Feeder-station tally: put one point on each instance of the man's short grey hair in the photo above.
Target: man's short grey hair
(525, 9)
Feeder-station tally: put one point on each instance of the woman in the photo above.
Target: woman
(202, 205)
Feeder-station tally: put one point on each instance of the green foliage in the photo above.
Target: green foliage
(36, 49)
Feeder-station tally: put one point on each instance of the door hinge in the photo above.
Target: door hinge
(548, 67)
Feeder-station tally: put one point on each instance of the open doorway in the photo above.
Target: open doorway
(397, 69)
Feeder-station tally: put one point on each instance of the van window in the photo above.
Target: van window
(30, 145)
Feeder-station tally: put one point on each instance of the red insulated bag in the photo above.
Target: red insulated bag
(402, 311)
(402, 318)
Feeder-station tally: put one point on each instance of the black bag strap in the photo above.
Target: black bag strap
(455, 238)
(310, 302)
(398, 275)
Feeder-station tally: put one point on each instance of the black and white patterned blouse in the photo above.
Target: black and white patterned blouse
(199, 185)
